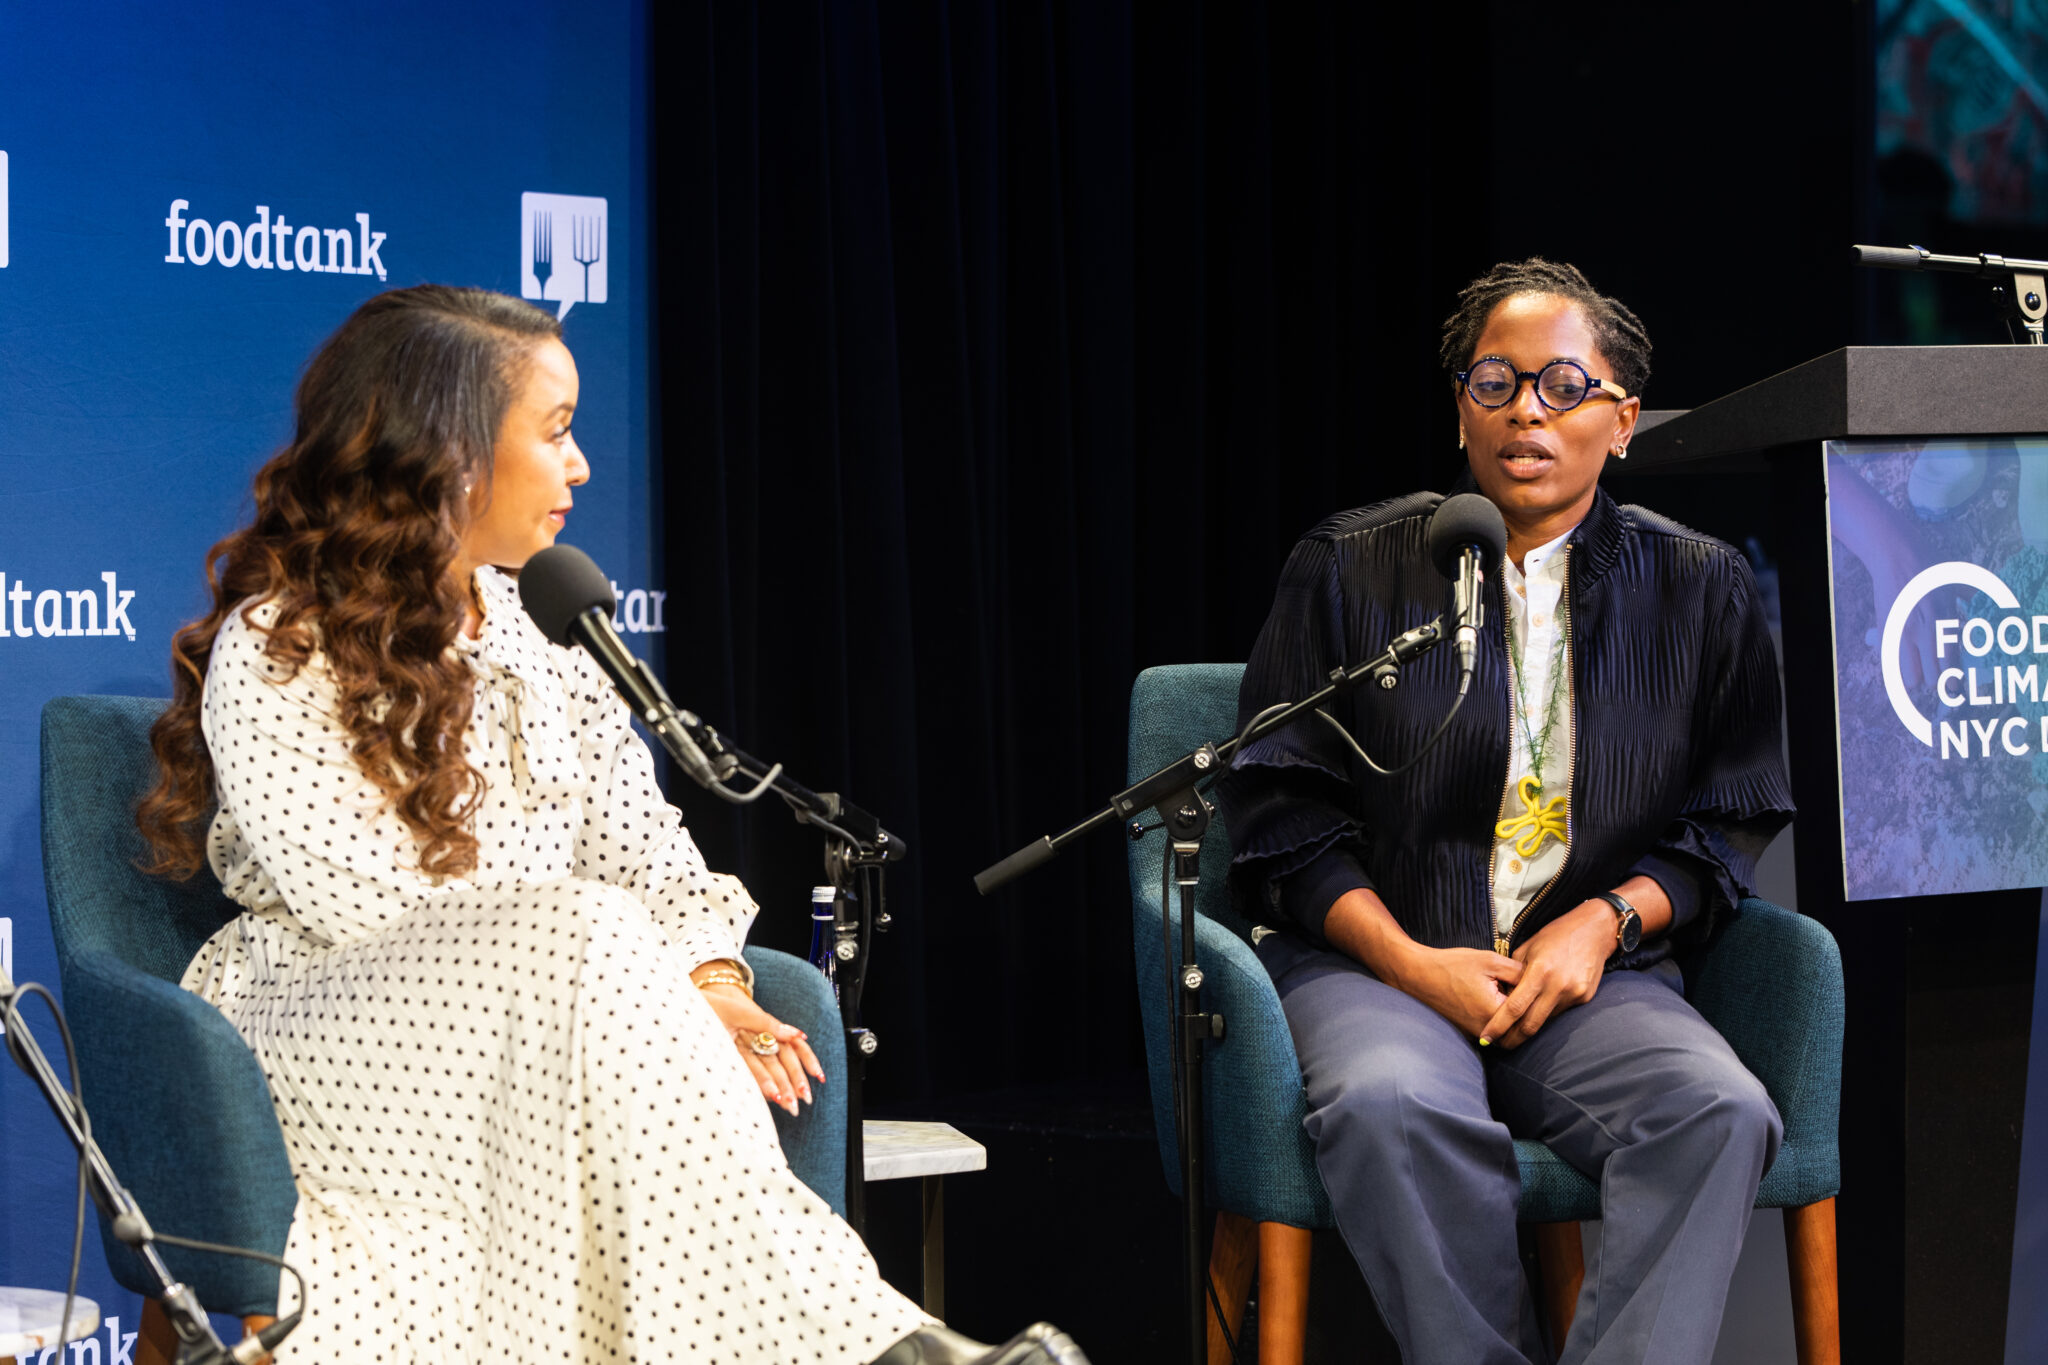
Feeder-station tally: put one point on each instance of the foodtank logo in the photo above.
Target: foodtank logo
(26, 613)
(120, 1349)
(273, 243)
(563, 250)
(1995, 686)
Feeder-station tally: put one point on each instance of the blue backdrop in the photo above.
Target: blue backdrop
(191, 198)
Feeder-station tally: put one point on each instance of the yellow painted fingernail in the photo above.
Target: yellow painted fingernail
(1485, 1041)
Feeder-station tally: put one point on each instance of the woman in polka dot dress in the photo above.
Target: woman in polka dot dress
(497, 993)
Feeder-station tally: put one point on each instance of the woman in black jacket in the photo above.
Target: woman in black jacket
(1478, 949)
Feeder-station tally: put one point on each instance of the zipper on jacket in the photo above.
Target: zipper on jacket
(1500, 940)
(1504, 943)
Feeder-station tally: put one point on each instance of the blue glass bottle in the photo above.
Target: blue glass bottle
(822, 938)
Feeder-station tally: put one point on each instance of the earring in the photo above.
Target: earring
(1461, 440)
(1621, 452)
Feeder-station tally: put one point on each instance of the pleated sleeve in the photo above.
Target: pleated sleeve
(1298, 845)
(1739, 795)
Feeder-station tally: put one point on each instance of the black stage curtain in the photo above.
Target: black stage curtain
(1005, 349)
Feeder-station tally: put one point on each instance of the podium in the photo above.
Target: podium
(1904, 766)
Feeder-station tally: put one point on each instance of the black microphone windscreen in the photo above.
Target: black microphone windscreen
(1467, 519)
(561, 583)
(1887, 257)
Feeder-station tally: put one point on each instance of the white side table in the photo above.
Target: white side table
(29, 1319)
(893, 1149)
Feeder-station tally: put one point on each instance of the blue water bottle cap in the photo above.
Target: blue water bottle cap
(823, 893)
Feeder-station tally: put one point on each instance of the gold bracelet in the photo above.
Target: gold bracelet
(724, 977)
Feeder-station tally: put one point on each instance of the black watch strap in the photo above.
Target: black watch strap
(1628, 929)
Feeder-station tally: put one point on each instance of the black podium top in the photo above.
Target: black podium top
(1861, 391)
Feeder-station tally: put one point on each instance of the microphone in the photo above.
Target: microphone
(1920, 258)
(1466, 540)
(571, 601)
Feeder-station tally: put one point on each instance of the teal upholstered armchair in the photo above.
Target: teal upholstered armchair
(179, 1103)
(1771, 982)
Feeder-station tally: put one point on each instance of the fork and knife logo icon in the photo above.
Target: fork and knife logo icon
(564, 255)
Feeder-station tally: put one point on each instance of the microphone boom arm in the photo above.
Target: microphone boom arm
(1209, 760)
(2020, 287)
(703, 753)
(829, 811)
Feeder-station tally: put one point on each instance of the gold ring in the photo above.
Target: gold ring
(764, 1044)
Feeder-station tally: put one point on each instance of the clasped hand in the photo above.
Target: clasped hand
(781, 1073)
(1504, 1001)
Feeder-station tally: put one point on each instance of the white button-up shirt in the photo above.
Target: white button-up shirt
(1535, 594)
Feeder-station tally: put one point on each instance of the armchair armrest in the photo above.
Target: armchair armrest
(183, 1113)
(797, 993)
(1771, 983)
(1259, 1159)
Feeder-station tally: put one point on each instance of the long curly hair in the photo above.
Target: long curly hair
(357, 523)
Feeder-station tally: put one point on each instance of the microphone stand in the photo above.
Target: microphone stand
(857, 852)
(196, 1337)
(1173, 792)
(2019, 288)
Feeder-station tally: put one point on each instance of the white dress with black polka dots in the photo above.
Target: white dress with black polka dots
(518, 1131)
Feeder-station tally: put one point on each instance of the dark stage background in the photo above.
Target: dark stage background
(1004, 350)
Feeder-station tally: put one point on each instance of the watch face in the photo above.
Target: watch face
(1631, 932)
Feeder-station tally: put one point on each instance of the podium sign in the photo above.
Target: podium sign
(1882, 473)
(1939, 589)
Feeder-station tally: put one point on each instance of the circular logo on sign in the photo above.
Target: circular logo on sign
(1916, 590)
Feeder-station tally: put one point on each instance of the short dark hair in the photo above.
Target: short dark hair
(1618, 332)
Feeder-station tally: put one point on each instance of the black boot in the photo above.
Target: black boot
(1039, 1344)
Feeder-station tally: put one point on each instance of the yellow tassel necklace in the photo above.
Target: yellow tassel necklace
(1539, 818)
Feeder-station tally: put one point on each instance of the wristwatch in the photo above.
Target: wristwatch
(1628, 929)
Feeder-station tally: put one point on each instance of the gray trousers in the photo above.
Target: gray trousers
(1413, 1126)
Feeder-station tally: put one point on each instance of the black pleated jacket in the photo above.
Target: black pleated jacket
(1677, 760)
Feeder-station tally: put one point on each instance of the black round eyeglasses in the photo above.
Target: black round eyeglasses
(1560, 386)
